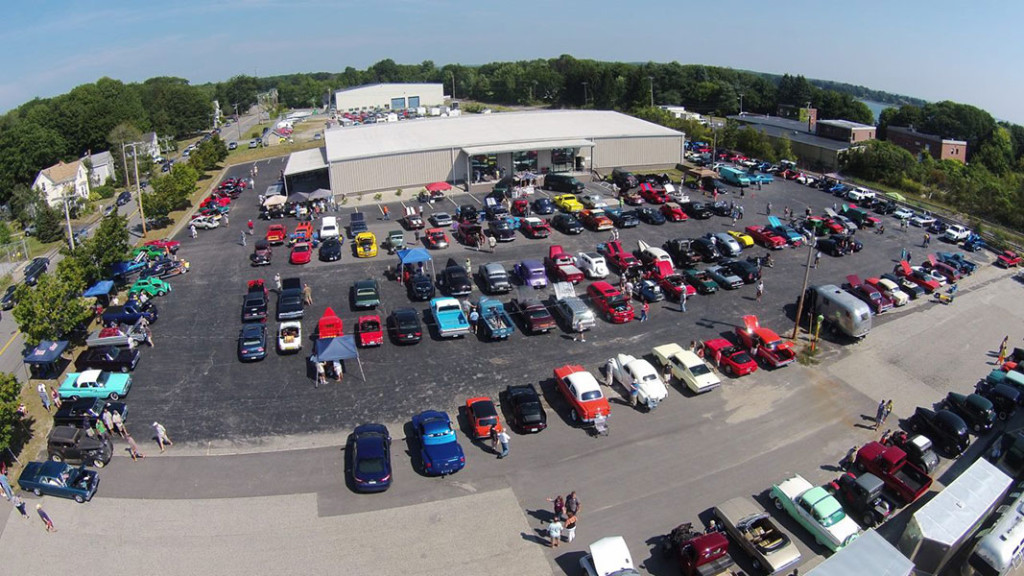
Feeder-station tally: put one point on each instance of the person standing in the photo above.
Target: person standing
(643, 311)
(6, 486)
(579, 332)
(503, 439)
(277, 281)
(118, 423)
(559, 503)
(609, 375)
(387, 213)
(817, 258)
(307, 295)
(251, 227)
(161, 436)
(569, 533)
(555, 532)
(1002, 350)
(572, 504)
(880, 414)
(634, 393)
(493, 435)
(45, 518)
(768, 208)
(55, 397)
(44, 395)
(321, 374)
(192, 231)
(741, 211)
(20, 505)
(101, 429)
(888, 410)
(108, 421)
(474, 319)
(682, 300)
(469, 265)
(760, 290)
(227, 222)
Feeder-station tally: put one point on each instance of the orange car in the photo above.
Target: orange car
(303, 232)
(276, 234)
(482, 414)
(583, 393)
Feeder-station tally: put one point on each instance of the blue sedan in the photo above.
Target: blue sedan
(252, 342)
(440, 453)
(59, 479)
(369, 451)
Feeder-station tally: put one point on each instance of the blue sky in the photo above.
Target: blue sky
(935, 50)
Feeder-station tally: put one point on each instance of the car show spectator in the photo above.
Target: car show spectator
(161, 436)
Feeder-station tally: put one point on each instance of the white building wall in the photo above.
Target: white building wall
(643, 151)
(397, 171)
(380, 96)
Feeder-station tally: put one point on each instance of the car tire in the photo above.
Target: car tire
(869, 520)
(37, 491)
(574, 416)
(756, 564)
(160, 292)
(727, 370)
(79, 498)
(778, 503)
(976, 428)
(114, 396)
(56, 457)
(98, 463)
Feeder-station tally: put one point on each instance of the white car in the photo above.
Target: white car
(923, 220)
(592, 264)
(687, 367)
(608, 556)
(629, 371)
(956, 233)
(890, 289)
(205, 222)
(676, 194)
(593, 201)
(903, 213)
(289, 336)
(816, 510)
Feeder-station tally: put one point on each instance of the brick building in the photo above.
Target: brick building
(938, 147)
(844, 130)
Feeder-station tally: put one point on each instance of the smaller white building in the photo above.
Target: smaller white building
(102, 167)
(389, 97)
(150, 144)
(681, 113)
(62, 180)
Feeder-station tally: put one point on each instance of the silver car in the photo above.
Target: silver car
(725, 278)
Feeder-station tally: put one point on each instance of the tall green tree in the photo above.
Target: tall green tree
(50, 310)
(10, 389)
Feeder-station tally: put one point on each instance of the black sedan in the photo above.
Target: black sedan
(745, 269)
(543, 206)
(404, 326)
(944, 428)
(566, 224)
(109, 358)
(420, 287)
(624, 218)
(976, 410)
(369, 458)
(706, 249)
(650, 216)
(454, 279)
(330, 250)
(698, 210)
(8, 300)
(252, 342)
(528, 415)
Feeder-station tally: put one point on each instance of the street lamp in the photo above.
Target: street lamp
(741, 104)
(452, 72)
(651, 80)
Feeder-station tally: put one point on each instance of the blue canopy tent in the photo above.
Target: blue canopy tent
(340, 348)
(100, 291)
(43, 359)
(410, 256)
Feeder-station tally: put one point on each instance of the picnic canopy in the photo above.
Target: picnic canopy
(438, 187)
(101, 288)
(278, 200)
(298, 197)
(411, 256)
(44, 357)
(340, 348)
(321, 194)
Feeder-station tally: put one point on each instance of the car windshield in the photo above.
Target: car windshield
(617, 302)
(366, 244)
(371, 466)
(502, 225)
(591, 395)
(832, 518)
(539, 312)
(366, 292)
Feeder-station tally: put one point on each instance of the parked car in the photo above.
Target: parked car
(420, 287)
(9, 298)
(368, 331)
(404, 326)
(916, 450)
(533, 314)
(59, 479)
(581, 390)
(757, 534)
(95, 384)
(765, 344)
(441, 219)
(494, 278)
(862, 497)
(76, 445)
(110, 358)
(330, 249)
(369, 458)
(592, 264)
(440, 453)
(435, 239)
(724, 277)
(534, 227)
(455, 280)
(976, 411)
(566, 224)
(943, 427)
(687, 367)
(817, 511)
(528, 414)
(482, 415)
(531, 273)
(631, 372)
(365, 294)
(252, 342)
(610, 302)
(731, 359)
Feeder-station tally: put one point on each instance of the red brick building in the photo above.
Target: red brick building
(845, 130)
(916, 142)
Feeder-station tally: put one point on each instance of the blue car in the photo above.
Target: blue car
(974, 243)
(59, 479)
(369, 452)
(958, 261)
(440, 453)
(543, 206)
(252, 342)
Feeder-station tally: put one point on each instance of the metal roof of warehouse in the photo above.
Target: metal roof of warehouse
(792, 129)
(305, 161)
(504, 131)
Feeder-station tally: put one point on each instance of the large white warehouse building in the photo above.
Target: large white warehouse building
(389, 97)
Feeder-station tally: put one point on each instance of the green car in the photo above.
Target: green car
(396, 240)
(151, 252)
(152, 286)
(365, 294)
(700, 280)
(817, 511)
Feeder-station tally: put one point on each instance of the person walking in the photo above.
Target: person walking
(768, 208)
(880, 414)
(682, 300)
(108, 421)
(927, 239)
(474, 319)
(227, 222)
(888, 410)
(503, 439)
(45, 518)
(20, 505)
(493, 435)
(387, 213)
(44, 395)
(643, 311)
(1002, 350)
(101, 428)
(555, 532)
(277, 281)
(741, 211)
(307, 295)
(161, 436)
(579, 332)
(242, 233)
(760, 290)
(817, 258)
(609, 376)
(634, 393)
(133, 448)
(569, 532)
(559, 503)
(469, 265)
(192, 231)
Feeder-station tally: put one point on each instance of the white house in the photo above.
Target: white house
(150, 144)
(102, 165)
(62, 180)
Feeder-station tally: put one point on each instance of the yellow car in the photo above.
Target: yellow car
(366, 245)
(568, 203)
(744, 239)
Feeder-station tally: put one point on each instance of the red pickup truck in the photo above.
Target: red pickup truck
(765, 344)
(890, 464)
(700, 554)
(617, 256)
(562, 266)
(766, 237)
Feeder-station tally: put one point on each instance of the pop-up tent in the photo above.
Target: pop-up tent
(43, 359)
(100, 291)
(438, 187)
(341, 348)
(321, 194)
(272, 201)
(298, 197)
(411, 256)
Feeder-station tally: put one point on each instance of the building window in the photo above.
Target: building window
(562, 159)
(524, 161)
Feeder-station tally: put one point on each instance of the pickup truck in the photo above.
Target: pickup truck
(494, 320)
(449, 317)
(862, 498)
(130, 313)
(59, 479)
(890, 464)
(254, 304)
(699, 553)
(765, 344)
(561, 266)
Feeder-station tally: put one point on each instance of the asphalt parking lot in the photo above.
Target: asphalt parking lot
(193, 381)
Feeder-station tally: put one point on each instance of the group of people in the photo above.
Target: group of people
(563, 525)
(882, 413)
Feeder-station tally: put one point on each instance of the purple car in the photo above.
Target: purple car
(531, 273)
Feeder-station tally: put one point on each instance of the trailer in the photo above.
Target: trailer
(868, 554)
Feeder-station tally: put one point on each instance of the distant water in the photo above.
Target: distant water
(876, 107)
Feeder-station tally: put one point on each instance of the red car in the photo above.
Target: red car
(835, 227)
(276, 234)
(764, 344)
(653, 195)
(583, 393)
(165, 243)
(596, 220)
(904, 270)
(610, 302)
(435, 238)
(535, 227)
(482, 415)
(872, 296)
(730, 358)
(766, 237)
(1008, 259)
(215, 200)
(793, 175)
(671, 282)
(673, 212)
(617, 256)
(561, 266)
(302, 252)
(369, 331)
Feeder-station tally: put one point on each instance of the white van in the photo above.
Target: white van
(329, 227)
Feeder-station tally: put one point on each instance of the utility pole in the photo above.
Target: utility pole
(238, 124)
(67, 218)
(138, 189)
(803, 292)
(651, 80)
(452, 72)
(741, 104)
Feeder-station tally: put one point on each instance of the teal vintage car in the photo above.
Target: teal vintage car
(817, 511)
(151, 286)
(95, 384)
(59, 479)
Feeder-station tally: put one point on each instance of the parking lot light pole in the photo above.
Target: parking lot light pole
(651, 80)
(803, 291)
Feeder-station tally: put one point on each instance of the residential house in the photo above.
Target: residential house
(62, 180)
(101, 167)
(150, 144)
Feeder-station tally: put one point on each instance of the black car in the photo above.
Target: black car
(938, 227)
(496, 211)
(109, 358)
(543, 206)
(721, 208)
(706, 249)
(124, 198)
(566, 224)
(682, 252)
(885, 208)
(289, 300)
(1004, 399)
(624, 179)
(624, 218)
(501, 229)
(420, 287)
(976, 410)
(650, 216)
(261, 253)
(252, 342)
(162, 268)
(254, 306)
(746, 270)
(330, 250)
(404, 326)
(35, 269)
(830, 247)
(85, 412)
(528, 413)
(74, 445)
(698, 210)
(369, 458)
(468, 213)
(8, 300)
(455, 280)
(943, 427)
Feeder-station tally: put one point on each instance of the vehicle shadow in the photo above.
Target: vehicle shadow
(412, 449)
(549, 391)
(570, 562)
